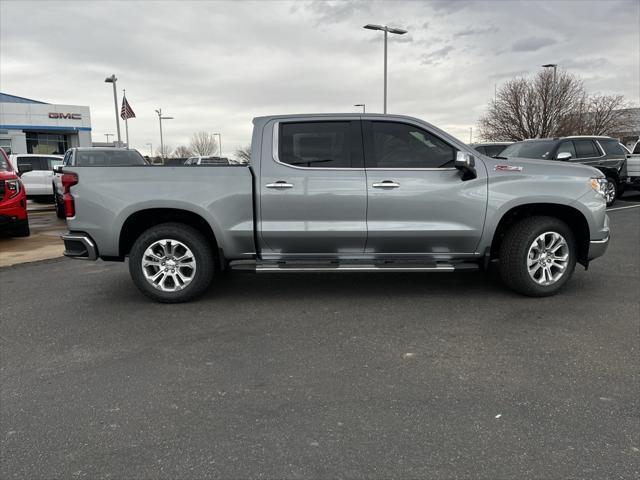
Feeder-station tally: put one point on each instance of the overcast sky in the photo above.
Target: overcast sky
(215, 65)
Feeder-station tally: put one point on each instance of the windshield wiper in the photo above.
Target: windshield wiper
(499, 157)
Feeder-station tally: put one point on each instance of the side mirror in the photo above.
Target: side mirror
(564, 156)
(466, 163)
(57, 169)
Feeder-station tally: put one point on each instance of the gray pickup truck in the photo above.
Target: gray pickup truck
(340, 193)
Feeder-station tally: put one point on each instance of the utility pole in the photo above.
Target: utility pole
(160, 118)
(386, 30)
(112, 80)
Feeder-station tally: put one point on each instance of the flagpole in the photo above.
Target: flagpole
(126, 118)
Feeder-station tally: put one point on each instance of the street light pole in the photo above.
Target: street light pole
(160, 118)
(219, 143)
(112, 80)
(150, 145)
(108, 135)
(364, 107)
(386, 30)
(553, 96)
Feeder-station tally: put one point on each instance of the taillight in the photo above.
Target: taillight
(68, 181)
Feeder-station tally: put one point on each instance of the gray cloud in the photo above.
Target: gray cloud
(532, 44)
(436, 56)
(473, 31)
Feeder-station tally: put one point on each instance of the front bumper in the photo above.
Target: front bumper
(598, 247)
(80, 246)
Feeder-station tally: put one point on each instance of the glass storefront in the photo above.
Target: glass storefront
(47, 143)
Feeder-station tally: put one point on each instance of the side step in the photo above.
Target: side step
(382, 266)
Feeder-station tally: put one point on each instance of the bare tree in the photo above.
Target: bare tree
(203, 143)
(244, 154)
(537, 108)
(182, 152)
(165, 152)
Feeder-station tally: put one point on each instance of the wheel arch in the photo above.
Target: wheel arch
(142, 220)
(570, 215)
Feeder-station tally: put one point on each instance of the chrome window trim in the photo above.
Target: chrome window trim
(276, 138)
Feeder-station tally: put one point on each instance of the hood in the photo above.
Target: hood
(8, 175)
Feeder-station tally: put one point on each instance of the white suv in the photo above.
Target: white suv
(36, 172)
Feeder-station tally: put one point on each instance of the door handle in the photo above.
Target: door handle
(386, 184)
(280, 184)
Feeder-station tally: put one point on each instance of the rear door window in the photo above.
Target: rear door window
(611, 147)
(493, 150)
(586, 148)
(321, 144)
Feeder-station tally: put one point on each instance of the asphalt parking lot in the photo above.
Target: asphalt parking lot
(323, 375)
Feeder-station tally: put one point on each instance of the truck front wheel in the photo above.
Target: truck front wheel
(537, 256)
(171, 263)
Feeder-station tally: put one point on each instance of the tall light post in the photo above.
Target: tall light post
(553, 95)
(219, 143)
(364, 107)
(386, 30)
(112, 80)
(108, 135)
(150, 145)
(160, 118)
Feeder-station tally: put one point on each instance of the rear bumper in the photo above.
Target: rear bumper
(80, 246)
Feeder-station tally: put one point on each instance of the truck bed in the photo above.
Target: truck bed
(106, 197)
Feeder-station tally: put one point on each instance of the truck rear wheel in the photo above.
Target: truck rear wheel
(171, 263)
(537, 256)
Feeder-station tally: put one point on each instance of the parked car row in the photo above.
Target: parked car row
(604, 153)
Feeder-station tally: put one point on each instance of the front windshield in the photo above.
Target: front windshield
(540, 150)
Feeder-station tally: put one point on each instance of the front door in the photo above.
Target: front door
(417, 201)
(313, 193)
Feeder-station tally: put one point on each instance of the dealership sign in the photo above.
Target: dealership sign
(65, 116)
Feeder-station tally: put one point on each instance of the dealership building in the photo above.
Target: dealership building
(31, 126)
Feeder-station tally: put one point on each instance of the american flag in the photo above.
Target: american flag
(126, 111)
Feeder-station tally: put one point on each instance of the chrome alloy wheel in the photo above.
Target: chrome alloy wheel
(548, 258)
(610, 192)
(168, 265)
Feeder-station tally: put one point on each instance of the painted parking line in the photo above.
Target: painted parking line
(622, 208)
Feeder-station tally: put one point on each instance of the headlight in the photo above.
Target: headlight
(599, 184)
(13, 187)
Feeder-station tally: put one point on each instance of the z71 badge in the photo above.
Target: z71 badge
(507, 168)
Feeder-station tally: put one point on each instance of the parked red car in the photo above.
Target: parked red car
(13, 201)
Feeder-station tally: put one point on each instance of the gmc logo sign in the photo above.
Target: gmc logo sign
(65, 116)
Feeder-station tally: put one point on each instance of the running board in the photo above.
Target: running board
(301, 266)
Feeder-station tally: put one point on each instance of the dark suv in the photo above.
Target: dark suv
(603, 153)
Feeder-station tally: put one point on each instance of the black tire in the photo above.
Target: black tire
(60, 212)
(22, 230)
(612, 184)
(514, 254)
(191, 238)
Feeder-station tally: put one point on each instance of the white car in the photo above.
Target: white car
(36, 172)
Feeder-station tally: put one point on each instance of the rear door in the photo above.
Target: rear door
(313, 194)
(417, 201)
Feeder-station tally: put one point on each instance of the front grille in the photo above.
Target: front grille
(1, 190)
